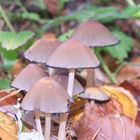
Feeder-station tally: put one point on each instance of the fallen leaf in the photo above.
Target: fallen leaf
(8, 128)
(126, 99)
(110, 127)
(135, 90)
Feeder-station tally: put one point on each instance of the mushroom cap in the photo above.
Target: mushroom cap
(73, 54)
(47, 96)
(41, 50)
(94, 93)
(63, 80)
(94, 34)
(27, 77)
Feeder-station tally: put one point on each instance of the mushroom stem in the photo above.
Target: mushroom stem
(71, 82)
(51, 71)
(47, 126)
(38, 122)
(90, 76)
(62, 126)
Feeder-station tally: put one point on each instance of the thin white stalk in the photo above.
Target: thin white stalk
(71, 82)
(38, 122)
(90, 78)
(51, 71)
(47, 126)
(62, 126)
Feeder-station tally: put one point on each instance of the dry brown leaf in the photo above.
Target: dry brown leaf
(110, 127)
(125, 98)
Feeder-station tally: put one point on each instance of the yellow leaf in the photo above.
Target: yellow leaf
(8, 127)
(125, 98)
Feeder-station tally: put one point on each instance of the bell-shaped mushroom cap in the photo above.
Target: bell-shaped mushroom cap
(41, 50)
(94, 34)
(73, 54)
(94, 93)
(47, 96)
(63, 80)
(27, 77)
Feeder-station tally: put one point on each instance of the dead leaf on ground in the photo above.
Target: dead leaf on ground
(125, 98)
(129, 72)
(110, 127)
(8, 127)
(136, 92)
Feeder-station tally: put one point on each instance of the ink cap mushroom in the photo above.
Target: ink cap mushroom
(41, 50)
(62, 79)
(94, 34)
(48, 96)
(27, 77)
(72, 55)
(94, 94)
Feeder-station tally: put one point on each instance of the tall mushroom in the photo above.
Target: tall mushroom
(72, 55)
(26, 79)
(94, 34)
(49, 97)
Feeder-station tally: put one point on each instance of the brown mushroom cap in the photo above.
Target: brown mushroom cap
(94, 93)
(27, 77)
(41, 50)
(73, 54)
(94, 34)
(63, 80)
(46, 96)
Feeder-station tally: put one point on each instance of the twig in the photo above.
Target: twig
(6, 19)
(97, 132)
(9, 95)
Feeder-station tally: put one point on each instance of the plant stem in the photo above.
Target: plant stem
(6, 19)
(131, 2)
(106, 69)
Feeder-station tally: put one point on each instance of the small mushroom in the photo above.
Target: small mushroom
(63, 80)
(27, 77)
(94, 94)
(41, 50)
(49, 97)
(72, 55)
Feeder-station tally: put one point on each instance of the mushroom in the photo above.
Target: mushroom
(63, 80)
(41, 51)
(72, 55)
(27, 77)
(94, 34)
(94, 94)
(48, 96)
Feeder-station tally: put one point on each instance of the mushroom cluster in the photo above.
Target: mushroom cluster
(48, 93)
